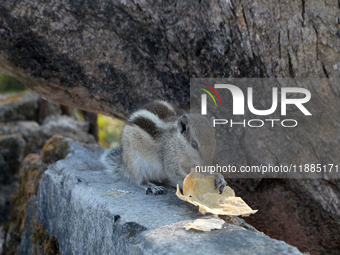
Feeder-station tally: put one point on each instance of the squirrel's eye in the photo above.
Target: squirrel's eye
(194, 144)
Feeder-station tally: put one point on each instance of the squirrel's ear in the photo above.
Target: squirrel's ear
(211, 121)
(183, 124)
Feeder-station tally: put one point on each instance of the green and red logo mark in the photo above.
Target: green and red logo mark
(209, 93)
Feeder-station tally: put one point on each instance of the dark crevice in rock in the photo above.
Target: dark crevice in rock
(324, 70)
(303, 12)
(290, 66)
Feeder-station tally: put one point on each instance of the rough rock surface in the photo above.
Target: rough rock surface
(7, 191)
(90, 212)
(11, 154)
(2, 239)
(37, 120)
(25, 106)
(30, 174)
(12, 149)
(36, 135)
(18, 107)
(111, 57)
(27, 121)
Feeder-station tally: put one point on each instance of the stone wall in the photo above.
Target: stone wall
(79, 209)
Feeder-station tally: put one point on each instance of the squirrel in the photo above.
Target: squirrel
(160, 144)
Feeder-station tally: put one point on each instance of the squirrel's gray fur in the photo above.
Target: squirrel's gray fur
(160, 144)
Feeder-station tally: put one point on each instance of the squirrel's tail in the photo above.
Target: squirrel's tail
(113, 161)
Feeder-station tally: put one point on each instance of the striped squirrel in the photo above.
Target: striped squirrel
(159, 144)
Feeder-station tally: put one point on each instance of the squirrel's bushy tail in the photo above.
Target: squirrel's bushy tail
(113, 161)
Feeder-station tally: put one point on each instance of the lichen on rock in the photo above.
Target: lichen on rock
(55, 149)
(30, 174)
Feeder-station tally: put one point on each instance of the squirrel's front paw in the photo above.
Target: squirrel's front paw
(220, 183)
(152, 188)
(156, 190)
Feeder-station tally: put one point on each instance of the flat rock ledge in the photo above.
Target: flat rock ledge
(89, 212)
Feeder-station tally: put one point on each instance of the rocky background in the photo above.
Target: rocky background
(27, 121)
(112, 56)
